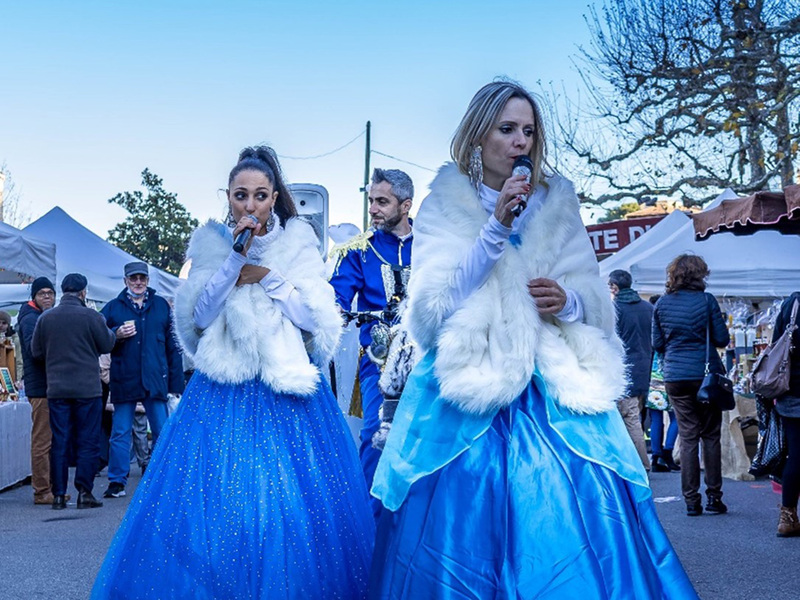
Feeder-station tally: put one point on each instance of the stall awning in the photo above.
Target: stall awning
(779, 211)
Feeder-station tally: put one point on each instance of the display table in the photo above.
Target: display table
(15, 442)
(735, 460)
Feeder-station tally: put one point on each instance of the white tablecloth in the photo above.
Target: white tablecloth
(15, 442)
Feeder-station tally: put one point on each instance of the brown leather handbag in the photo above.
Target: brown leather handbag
(770, 377)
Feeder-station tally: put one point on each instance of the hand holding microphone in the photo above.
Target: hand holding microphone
(514, 194)
(522, 166)
(248, 224)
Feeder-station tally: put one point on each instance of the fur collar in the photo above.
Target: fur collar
(251, 337)
(488, 349)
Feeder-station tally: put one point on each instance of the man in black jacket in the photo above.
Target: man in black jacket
(634, 321)
(43, 296)
(70, 339)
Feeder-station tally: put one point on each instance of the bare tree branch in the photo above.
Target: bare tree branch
(685, 97)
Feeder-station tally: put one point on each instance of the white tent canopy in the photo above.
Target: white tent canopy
(762, 265)
(78, 250)
(655, 235)
(23, 257)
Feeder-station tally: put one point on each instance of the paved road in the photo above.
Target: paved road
(46, 554)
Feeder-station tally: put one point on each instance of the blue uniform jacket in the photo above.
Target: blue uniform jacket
(359, 272)
(149, 364)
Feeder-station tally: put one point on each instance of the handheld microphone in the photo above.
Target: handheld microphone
(522, 166)
(244, 236)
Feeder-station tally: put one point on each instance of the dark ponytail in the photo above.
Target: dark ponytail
(264, 160)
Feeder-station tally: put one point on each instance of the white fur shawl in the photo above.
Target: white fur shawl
(252, 337)
(487, 350)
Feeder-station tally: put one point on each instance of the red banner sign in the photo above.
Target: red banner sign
(608, 238)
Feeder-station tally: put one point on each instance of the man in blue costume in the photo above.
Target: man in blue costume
(376, 265)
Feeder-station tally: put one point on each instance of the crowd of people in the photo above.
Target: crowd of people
(515, 464)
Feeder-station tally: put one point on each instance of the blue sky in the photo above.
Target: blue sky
(94, 92)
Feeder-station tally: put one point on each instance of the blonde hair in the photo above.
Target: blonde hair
(482, 112)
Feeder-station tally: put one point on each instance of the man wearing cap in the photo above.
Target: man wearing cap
(43, 297)
(146, 365)
(70, 339)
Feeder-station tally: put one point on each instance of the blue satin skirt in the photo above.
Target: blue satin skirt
(249, 494)
(521, 514)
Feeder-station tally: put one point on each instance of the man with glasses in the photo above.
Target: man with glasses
(43, 297)
(146, 365)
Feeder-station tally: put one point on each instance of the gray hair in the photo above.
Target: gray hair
(402, 186)
(482, 112)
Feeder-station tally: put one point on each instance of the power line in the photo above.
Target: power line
(408, 162)
(334, 151)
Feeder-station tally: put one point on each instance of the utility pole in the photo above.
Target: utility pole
(366, 179)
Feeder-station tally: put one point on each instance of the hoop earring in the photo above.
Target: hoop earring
(476, 169)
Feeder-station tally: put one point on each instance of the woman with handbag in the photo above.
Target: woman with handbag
(788, 407)
(686, 323)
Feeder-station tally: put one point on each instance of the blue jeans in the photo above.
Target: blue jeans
(657, 431)
(119, 451)
(77, 418)
(371, 400)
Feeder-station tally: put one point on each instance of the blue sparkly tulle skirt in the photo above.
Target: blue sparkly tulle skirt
(249, 494)
(533, 502)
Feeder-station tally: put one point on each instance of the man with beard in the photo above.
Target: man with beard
(376, 265)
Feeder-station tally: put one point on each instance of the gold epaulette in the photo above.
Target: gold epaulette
(357, 242)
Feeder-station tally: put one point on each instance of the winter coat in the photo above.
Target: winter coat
(788, 405)
(680, 320)
(488, 348)
(70, 338)
(34, 377)
(634, 324)
(252, 338)
(149, 364)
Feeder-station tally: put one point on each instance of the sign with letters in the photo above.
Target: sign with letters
(608, 238)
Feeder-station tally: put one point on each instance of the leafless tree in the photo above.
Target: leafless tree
(12, 210)
(687, 97)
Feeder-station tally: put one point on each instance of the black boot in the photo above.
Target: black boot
(670, 462)
(87, 500)
(657, 464)
(59, 502)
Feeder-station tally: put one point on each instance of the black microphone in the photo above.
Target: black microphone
(522, 166)
(244, 236)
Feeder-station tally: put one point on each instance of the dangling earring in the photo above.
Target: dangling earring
(229, 220)
(271, 221)
(476, 169)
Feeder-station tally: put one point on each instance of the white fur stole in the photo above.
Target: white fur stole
(488, 348)
(252, 337)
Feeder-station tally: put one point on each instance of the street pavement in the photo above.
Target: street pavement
(46, 554)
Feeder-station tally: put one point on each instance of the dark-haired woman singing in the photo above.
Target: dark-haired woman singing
(254, 489)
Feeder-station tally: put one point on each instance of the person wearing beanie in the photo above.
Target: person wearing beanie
(70, 339)
(43, 297)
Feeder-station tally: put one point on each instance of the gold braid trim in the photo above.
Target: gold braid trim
(358, 242)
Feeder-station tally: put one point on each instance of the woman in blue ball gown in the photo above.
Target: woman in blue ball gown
(254, 489)
(508, 472)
